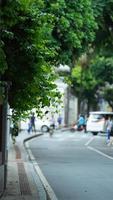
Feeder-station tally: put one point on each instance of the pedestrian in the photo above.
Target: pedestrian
(82, 123)
(52, 122)
(109, 125)
(59, 120)
(29, 127)
(32, 123)
(14, 131)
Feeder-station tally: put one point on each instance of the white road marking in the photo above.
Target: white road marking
(44, 181)
(99, 152)
(89, 141)
(46, 185)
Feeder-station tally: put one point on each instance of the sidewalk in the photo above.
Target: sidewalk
(22, 182)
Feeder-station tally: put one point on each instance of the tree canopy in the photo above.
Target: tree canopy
(100, 59)
(25, 37)
(35, 37)
(73, 28)
(102, 64)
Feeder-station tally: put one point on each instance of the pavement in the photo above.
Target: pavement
(23, 182)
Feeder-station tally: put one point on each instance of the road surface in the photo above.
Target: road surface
(77, 166)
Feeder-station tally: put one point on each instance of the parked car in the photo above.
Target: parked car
(40, 125)
(96, 121)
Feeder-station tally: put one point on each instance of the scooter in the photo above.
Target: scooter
(51, 130)
(77, 127)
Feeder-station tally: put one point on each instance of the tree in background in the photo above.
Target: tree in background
(73, 31)
(108, 95)
(102, 70)
(73, 28)
(84, 86)
(104, 38)
(102, 66)
(100, 61)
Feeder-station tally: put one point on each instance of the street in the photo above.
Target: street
(78, 166)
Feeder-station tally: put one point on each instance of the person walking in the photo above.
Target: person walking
(52, 125)
(59, 120)
(14, 131)
(52, 122)
(29, 127)
(109, 125)
(32, 123)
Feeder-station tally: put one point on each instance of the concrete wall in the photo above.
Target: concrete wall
(73, 109)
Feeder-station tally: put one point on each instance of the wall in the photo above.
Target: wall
(73, 109)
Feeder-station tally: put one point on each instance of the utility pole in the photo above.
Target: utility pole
(1, 140)
(3, 134)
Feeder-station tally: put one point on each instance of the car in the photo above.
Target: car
(96, 121)
(40, 125)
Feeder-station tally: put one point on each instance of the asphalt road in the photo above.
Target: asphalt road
(77, 166)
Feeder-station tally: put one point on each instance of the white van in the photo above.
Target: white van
(96, 121)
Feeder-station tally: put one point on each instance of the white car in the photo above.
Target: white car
(40, 125)
(96, 121)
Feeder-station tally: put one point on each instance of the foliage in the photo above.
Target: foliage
(108, 95)
(25, 46)
(102, 70)
(3, 63)
(101, 65)
(90, 82)
(74, 28)
(84, 84)
(36, 36)
(104, 17)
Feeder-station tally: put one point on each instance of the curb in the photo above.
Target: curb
(50, 195)
(66, 129)
(31, 137)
